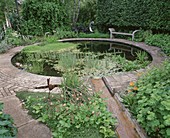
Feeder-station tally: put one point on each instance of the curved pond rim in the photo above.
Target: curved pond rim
(123, 42)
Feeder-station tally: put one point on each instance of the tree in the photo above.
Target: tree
(6, 8)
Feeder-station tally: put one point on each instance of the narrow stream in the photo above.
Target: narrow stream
(125, 128)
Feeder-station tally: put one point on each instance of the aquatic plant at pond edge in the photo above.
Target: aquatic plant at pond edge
(67, 61)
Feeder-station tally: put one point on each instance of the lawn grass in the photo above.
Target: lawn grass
(85, 133)
(24, 94)
(48, 47)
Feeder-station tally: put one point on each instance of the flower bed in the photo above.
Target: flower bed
(76, 112)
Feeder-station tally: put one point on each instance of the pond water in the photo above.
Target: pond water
(89, 58)
(127, 51)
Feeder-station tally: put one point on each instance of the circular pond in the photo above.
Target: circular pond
(85, 58)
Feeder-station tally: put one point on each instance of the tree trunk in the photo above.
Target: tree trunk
(76, 11)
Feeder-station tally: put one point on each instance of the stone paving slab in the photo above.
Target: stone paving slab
(34, 130)
(27, 127)
(13, 107)
(120, 82)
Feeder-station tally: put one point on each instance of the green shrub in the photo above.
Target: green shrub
(4, 46)
(42, 16)
(7, 129)
(70, 116)
(142, 35)
(93, 35)
(65, 33)
(150, 103)
(159, 40)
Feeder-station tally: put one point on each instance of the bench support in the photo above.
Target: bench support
(112, 31)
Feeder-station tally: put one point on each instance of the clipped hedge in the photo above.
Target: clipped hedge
(130, 14)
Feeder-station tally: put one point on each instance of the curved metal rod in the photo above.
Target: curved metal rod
(90, 26)
(133, 34)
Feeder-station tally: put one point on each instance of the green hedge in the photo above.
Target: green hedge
(130, 14)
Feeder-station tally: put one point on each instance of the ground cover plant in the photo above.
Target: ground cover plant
(149, 101)
(75, 112)
(159, 40)
(7, 128)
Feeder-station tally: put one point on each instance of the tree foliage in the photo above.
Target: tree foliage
(42, 16)
(87, 11)
(6, 6)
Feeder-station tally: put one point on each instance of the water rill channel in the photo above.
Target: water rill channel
(126, 127)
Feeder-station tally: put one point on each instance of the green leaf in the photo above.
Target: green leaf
(168, 132)
(3, 131)
(166, 104)
(4, 123)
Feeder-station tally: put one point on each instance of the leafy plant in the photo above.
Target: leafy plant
(151, 101)
(93, 35)
(142, 35)
(69, 116)
(75, 109)
(7, 129)
(64, 33)
(159, 40)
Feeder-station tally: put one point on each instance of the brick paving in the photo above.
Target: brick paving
(13, 80)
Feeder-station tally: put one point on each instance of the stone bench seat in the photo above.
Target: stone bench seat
(112, 31)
